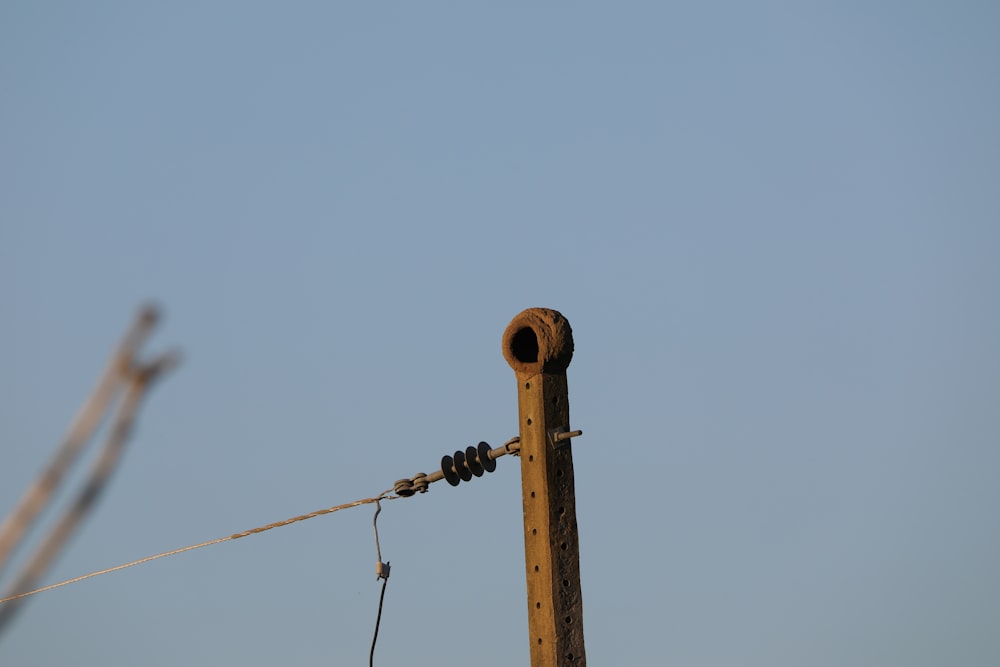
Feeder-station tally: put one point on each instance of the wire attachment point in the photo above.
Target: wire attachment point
(420, 482)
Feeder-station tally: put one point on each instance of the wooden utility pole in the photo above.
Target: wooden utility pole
(538, 345)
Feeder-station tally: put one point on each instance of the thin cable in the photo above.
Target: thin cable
(378, 550)
(235, 536)
(382, 570)
(378, 619)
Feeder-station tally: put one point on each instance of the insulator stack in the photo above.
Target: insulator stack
(462, 466)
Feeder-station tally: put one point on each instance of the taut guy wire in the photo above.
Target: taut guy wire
(385, 495)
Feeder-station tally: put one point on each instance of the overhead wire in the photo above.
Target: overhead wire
(402, 489)
(385, 495)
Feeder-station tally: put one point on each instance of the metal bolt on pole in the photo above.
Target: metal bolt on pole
(538, 345)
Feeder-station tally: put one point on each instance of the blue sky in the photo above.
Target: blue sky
(773, 227)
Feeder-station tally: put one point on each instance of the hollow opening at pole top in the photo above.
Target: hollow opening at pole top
(538, 340)
(524, 346)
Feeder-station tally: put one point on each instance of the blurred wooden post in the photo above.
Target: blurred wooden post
(538, 345)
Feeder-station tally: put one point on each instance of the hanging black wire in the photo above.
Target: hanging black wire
(382, 570)
(378, 619)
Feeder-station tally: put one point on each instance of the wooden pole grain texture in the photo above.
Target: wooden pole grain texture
(538, 345)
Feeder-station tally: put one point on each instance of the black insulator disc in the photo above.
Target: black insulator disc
(462, 467)
(472, 460)
(448, 468)
(484, 457)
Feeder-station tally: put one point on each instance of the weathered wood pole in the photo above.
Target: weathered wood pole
(538, 345)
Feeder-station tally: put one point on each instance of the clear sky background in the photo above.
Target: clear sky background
(774, 227)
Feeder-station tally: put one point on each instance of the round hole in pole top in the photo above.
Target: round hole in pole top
(524, 345)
